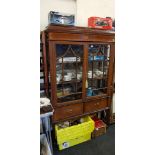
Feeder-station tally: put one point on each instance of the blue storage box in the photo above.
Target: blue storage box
(61, 18)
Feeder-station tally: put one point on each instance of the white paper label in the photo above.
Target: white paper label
(65, 145)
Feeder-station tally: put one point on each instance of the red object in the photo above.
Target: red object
(95, 119)
(98, 123)
(98, 22)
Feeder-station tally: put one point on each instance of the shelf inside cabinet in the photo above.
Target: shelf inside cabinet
(98, 78)
(104, 95)
(67, 82)
(99, 88)
(70, 94)
(69, 62)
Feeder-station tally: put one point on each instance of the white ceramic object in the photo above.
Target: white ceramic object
(79, 76)
(67, 78)
(68, 59)
(90, 74)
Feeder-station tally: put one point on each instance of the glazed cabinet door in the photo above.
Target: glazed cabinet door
(68, 72)
(97, 70)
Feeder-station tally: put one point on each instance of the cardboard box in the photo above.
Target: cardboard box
(100, 128)
(98, 22)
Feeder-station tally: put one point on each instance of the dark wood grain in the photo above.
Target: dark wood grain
(95, 105)
(67, 111)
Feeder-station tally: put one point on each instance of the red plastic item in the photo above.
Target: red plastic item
(95, 119)
(98, 22)
(98, 123)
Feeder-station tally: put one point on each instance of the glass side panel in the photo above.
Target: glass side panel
(69, 59)
(98, 63)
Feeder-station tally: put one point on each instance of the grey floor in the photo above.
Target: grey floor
(102, 145)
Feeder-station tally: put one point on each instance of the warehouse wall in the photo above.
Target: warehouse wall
(82, 9)
(66, 6)
(88, 8)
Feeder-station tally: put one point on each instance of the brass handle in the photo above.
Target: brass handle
(97, 103)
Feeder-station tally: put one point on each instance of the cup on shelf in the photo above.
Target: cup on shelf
(58, 78)
(67, 91)
(89, 74)
(67, 78)
(99, 73)
(79, 76)
(69, 74)
(89, 91)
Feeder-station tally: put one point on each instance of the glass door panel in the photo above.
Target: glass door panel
(98, 63)
(69, 62)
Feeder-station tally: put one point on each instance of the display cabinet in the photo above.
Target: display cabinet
(81, 62)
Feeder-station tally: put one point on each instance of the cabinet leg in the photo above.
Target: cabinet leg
(106, 117)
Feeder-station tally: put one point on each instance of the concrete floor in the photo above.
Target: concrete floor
(102, 145)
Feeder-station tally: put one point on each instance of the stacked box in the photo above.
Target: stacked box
(73, 135)
(100, 128)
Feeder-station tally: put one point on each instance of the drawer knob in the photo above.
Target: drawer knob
(97, 103)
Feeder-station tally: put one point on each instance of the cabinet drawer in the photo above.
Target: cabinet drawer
(68, 111)
(67, 36)
(95, 105)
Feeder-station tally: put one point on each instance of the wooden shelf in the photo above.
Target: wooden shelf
(97, 78)
(70, 94)
(74, 62)
(67, 82)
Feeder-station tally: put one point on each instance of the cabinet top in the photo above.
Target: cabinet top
(77, 29)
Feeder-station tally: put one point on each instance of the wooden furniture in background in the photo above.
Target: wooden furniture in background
(44, 83)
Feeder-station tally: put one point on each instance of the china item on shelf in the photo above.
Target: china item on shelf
(59, 77)
(69, 59)
(79, 76)
(67, 91)
(67, 78)
(89, 92)
(91, 58)
(89, 74)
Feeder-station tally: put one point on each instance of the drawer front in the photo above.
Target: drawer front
(95, 105)
(80, 37)
(68, 111)
(101, 38)
(67, 37)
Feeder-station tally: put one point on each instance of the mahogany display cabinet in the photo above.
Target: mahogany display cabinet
(80, 63)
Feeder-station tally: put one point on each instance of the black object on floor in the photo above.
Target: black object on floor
(102, 145)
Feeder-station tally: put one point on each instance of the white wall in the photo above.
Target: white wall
(83, 9)
(88, 8)
(66, 6)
